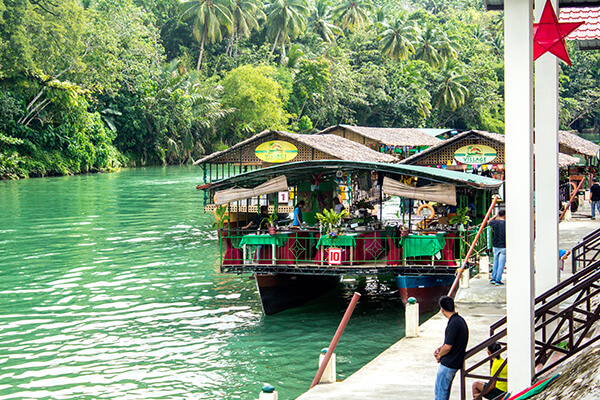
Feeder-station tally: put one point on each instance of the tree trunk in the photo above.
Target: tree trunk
(334, 41)
(276, 40)
(282, 53)
(200, 56)
(229, 50)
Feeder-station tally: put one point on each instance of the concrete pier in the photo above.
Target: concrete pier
(407, 369)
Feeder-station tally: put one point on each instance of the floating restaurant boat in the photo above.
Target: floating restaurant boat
(294, 264)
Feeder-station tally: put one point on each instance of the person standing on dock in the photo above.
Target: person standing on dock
(595, 197)
(451, 355)
(498, 224)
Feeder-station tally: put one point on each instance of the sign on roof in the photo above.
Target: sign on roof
(276, 151)
(475, 154)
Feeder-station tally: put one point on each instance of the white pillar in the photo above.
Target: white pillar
(546, 167)
(518, 17)
(411, 318)
(329, 375)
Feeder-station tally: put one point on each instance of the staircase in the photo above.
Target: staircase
(565, 320)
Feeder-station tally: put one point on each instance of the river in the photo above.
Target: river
(110, 289)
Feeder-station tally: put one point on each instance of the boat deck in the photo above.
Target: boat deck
(364, 269)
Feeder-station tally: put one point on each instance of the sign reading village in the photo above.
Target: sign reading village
(475, 154)
(276, 151)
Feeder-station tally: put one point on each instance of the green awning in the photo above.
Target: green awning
(308, 171)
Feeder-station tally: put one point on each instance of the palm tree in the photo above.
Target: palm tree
(397, 38)
(321, 21)
(208, 16)
(246, 16)
(353, 14)
(429, 41)
(452, 93)
(286, 20)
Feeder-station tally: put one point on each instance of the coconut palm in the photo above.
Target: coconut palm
(286, 20)
(429, 41)
(321, 21)
(353, 14)
(246, 16)
(452, 93)
(208, 17)
(397, 38)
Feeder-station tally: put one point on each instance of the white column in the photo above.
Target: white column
(518, 17)
(546, 167)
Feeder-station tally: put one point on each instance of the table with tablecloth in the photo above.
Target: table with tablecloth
(422, 245)
(270, 243)
(346, 241)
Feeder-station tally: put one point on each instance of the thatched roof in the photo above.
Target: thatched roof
(564, 160)
(409, 137)
(577, 144)
(335, 146)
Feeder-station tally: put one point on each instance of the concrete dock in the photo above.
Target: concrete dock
(407, 369)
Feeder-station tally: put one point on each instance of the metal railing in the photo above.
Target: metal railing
(586, 252)
(362, 252)
(564, 317)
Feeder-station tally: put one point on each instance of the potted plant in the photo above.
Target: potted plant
(221, 218)
(461, 218)
(271, 222)
(331, 221)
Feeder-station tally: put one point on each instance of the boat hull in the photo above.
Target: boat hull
(278, 292)
(427, 289)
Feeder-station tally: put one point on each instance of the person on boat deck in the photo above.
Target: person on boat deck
(298, 213)
(338, 207)
(259, 221)
(498, 388)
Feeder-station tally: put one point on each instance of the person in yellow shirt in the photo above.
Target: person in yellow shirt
(499, 387)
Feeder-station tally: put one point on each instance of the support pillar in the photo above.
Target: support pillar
(546, 167)
(518, 17)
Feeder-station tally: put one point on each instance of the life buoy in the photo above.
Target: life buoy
(574, 186)
(431, 210)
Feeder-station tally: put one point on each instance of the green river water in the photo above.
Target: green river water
(110, 289)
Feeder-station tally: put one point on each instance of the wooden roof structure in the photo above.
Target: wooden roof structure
(310, 147)
(441, 153)
(406, 137)
(573, 144)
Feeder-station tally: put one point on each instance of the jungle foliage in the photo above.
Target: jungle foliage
(92, 85)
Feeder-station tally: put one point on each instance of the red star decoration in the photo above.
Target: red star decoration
(549, 34)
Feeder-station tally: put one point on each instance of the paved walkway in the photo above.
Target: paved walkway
(407, 369)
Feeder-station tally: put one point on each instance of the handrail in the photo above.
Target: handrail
(589, 243)
(555, 326)
(571, 199)
(336, 338)
(452, 291)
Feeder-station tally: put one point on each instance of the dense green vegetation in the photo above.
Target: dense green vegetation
(91, 85)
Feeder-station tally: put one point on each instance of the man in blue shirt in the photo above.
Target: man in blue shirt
(298, 213)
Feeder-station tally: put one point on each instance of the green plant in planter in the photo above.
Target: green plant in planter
(461, 217)
(271, 220)
(221, 218)
(330, 220)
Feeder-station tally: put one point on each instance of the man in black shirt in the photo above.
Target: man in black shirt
(258, 222)
(498, 224)
(595, 197)
(451, 354)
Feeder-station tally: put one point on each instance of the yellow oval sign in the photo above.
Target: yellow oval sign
(475, 154)
(276, 151)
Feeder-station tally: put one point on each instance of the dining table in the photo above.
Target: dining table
(276, 240)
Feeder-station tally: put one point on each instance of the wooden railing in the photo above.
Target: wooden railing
(564, 320)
